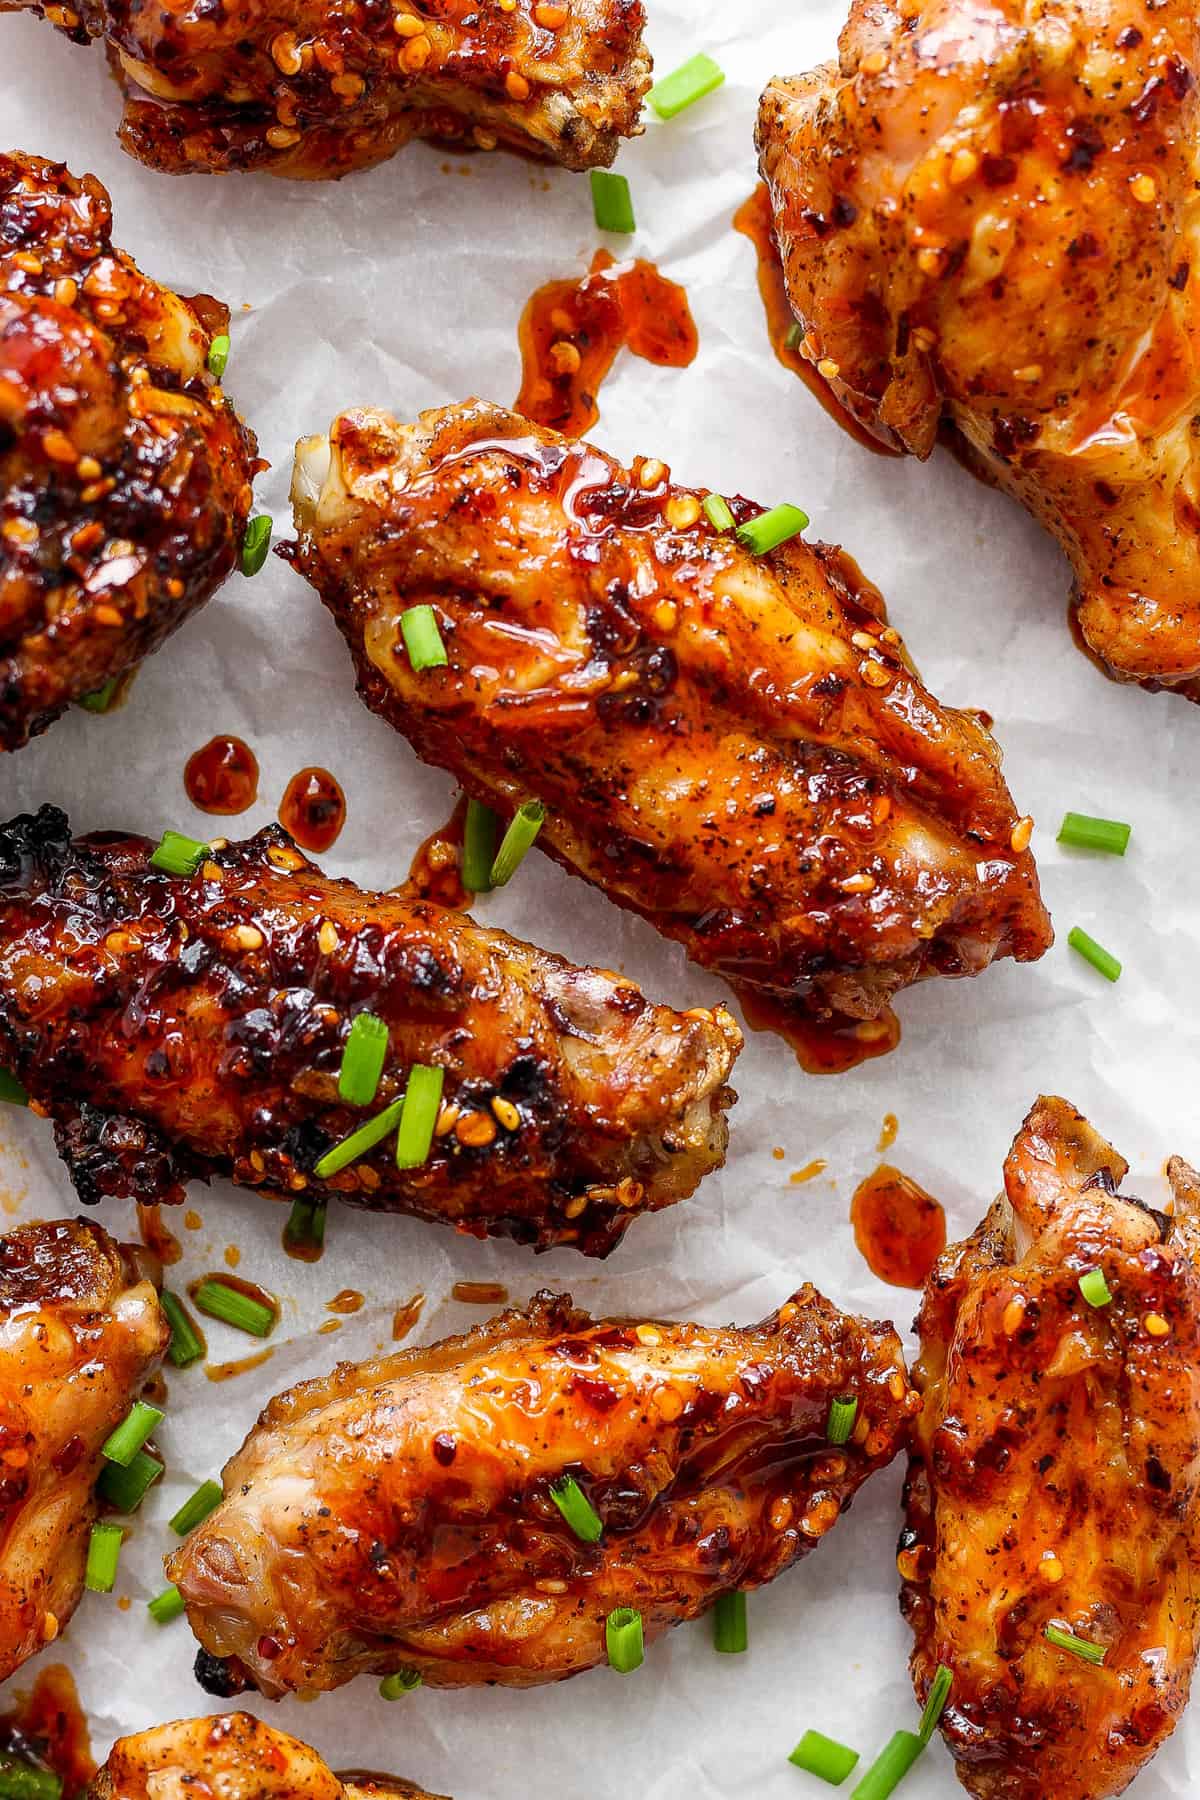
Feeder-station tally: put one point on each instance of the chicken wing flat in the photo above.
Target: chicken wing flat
(733, 746)
(988, 221)
(80, 1334)
(297, 88)
(124, 472)
(179, 1027)
(399, 1514)
(235, 1756)
(1053, 1483)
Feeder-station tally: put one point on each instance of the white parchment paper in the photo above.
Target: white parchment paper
(403, 288)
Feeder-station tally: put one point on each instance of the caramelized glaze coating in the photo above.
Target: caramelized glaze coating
(1054, 1473)
(80, 1334)
(734, 747)
(398, 1514)
(989, 220)
(178, 1028)
(297, 88)
(124, 472)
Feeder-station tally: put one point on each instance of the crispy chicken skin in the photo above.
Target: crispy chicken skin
(1054, 1475)
(989, 218)
(734, 747)
(398, 1513)
(183, 1027)
(124, 472)
(306, 90)
(233, 1756)
(80, 1334)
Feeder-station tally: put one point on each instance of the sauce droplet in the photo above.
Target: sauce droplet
(348, 1301)
(47, 1727)
(436, 872)
(898, 1227)
(823, 1047)
(222, 777)
(479, 1293)
(405, 1317)
(809, 1172)
(226, 1371)
(155, 1235)
(313, 809)
(887, 1132)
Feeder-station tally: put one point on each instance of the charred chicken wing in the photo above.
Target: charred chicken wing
(302, 89)
(401, 1514)
(80, 1333)
(1053, 1485)
(124, 472)
(989, 220)
(734, 746)
(187, 1026)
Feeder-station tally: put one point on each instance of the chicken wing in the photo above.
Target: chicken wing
(735, 747)
(178, 1027)
(235, 1756)
(1053, 1483)
(124, 472)
(989, 217)
(80, 1334)
(296, 88)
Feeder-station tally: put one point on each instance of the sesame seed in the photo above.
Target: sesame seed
(828, 368)
(874, 63)
(1144, 189)
(327, 937)
(248, 937)
(87, 468)
(908, 1564)
(1014, 1314)
(819, 1518)
(476, 1130)
(516, 86)
(875, 674)
(682, 510)
(1022, 833)
(58, 447)
(858, 884)
(1156, 1325)
(66, 291)
(507, 1113)
(407, 25)
(646, 1334)
(666, 615)
(1050, 1569)
(285, 53)
(282, 137)
(862, 640)
(669, 1403)
(575, 1207)
(565, 357)
(651, 473)
(963, 165)
(447, 1118)
(929, 262)
(210, 870)
(416, 53)
(549, 17)
(896, 1385)
(781, 1513)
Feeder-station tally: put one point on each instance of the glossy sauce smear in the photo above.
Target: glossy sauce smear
(898, 1227)
(222, 776)
(48, 1729)
(313, 809)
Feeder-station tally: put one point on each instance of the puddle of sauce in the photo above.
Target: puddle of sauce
(328, 1326)
(809, 1172)
(313, 809)
(155, 1235)
(779, 1153)
(823, 1048)
(233, 1256)
(251, 1289)
(47, 1728)
(192, 1219)
(898, 1227)
(436, 872)
(571, 332)
(479, 1293)
(348, 1301)
(228, 1370)
(222, 777)
(405, 1317)
(887, 1132)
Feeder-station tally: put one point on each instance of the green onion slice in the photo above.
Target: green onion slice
(178, 855)
(1077, 1646)
(480, 832)
(716, 511)
(186, 1345)
(404, 1681)
(218, 355)
(824, 1757)
(196, 1508)
(577, 1510)
(418, 1116)
(103, 1554)
(770, 529)
(101, 698)
(125, 1486)
(731, 1630)
(360, 1141)
(423, 639)
(363, 1058)
(166, 1606)
(842, 1414)
(625, 1640)
(232, 1307)
(935, 1706)
(1085, 833)
(123, 1444)
(23, 1781)
(794, 336)
(1094, 1288)
(699, 76)
(11, 1090)
(1095, 953)
(523, 829)
(612, 202)
(890, 1767)
(256, 543)
(305, 1228)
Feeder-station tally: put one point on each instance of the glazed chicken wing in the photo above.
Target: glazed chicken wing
(988, 218)
(80, 1334)
(298, 88)
(735, 747)
(178, 1027)
(1053, 1484)
(400, 1514)
(124, 472)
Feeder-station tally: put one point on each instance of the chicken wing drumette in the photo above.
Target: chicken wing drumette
(295, 88)
(80, 1334)
(185, 1026)
(124, 473)
(1054, 1477)
(988, 219)
(734, 746)
(399, 1514)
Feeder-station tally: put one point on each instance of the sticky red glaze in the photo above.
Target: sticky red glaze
(898, 1227)
(222, 776)
(313, 809)
(47, 1727)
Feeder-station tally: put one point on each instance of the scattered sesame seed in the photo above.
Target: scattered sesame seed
(1022, 833)
(475, 1129)
(1014, 1315)
(682, 510)
(507, 1113)
(1156, 1325)
(1144, 189)
(248, 937)
(652, 472)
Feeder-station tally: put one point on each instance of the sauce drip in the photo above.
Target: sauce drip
(164, 1244)
(809, 1172)
(571, 331)
(47, 1727)
(479, 1293)
(348, 1301)
(824, 1047)
(899, 1228)
(228, 1370)
(313, 809)
(887, 1132)
(405, 1317)
(436, 872)
(222, 777)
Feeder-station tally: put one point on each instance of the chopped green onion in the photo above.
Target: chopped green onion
(770, 529)
(256, 543)
(523, 828)
(186, 1346)
(305, 1229)
(842, 1414)
(479, 847)
(794, 337)
(363, 1059)
(731, 1632)
(577, 1510)
(422, 1103)
(218, 355)
(178, 855)
(935, 1706)
(612, 202)
(699, 76)
(1095, 953)
(404, 1681)
(716, 511)
(824, 1757)
(123, 1444)
(1085, 833)
(166, 1606)
(101, 698)
(423, 639)
(624, 1638)
(1094, 1288)
(23, 1781)
(1077, 1646)
(890, 1767)
(11, 1091)
(196, 1508)
(125, 1486)
(103, 1554)
(232, 1307)
(360, 1141)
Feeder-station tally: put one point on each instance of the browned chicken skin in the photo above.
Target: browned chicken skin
(124, 472)
(989, 216)
(313, 91)
(734, 747)
(399, 1514)
(1054, 1477)
(180, 1027)
(81, 1334)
